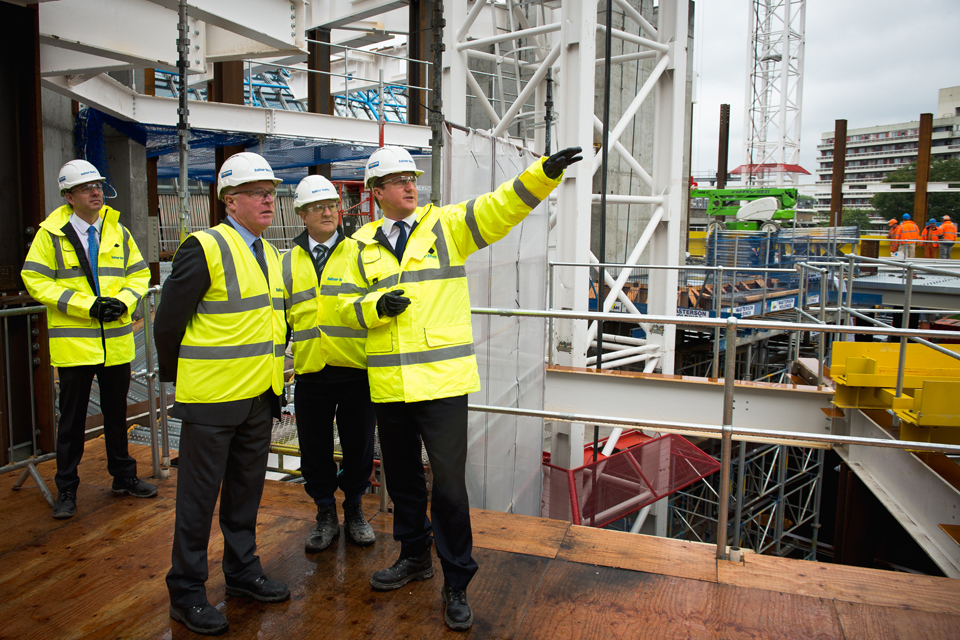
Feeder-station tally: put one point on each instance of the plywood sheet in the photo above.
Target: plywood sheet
(663, 556)
(580, 602)
(517, 534)
(847, 584)
(864, 622)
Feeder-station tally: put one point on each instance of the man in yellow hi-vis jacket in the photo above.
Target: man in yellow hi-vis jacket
(221, 335)
(330, 363)
(407, 287)
(86, 268)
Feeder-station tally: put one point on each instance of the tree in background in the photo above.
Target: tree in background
(893, 205)
(853, 217)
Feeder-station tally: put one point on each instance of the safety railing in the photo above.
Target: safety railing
(34, 455)
(159, 442)
(726, 430)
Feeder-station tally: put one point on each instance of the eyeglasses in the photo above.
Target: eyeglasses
(257, 194)
(319, 207)
(87, 189)
(403, 181)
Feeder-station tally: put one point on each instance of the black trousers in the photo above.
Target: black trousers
(317, 404)
(442, 427)
(235, 456)
(75, 385)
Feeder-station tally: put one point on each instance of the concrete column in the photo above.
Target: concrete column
(128, 171)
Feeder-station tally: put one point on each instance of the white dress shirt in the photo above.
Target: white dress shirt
(392, 231)
(81, 227)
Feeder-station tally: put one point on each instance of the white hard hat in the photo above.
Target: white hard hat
(387, 160)
(241, 168)
(314, 189)
(77, 172)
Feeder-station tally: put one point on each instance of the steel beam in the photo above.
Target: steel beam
(912, 492)
(275, 23)
(112, 97)
(699, 400)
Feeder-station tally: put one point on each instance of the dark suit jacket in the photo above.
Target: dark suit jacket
(182, 292)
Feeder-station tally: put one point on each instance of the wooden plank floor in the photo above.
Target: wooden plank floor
(100, 575)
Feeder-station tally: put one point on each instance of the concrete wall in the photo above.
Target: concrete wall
(58, 144)
(948, 103)
(128, 170)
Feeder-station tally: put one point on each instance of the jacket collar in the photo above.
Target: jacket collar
(61, 216)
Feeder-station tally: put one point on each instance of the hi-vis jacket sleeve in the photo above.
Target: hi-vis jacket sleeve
(356, 306)
(39, 276)
(490, 217)
(137, 273)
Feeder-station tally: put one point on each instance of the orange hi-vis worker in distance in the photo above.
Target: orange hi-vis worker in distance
(908, 234)
(893, 234)
(948, 235)
(931, 239)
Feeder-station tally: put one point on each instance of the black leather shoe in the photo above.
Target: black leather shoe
(359, 531)
(134, 486)
(403, 571)
(65, 506)
(263, 589)
(202, 619)
(457, 615)
(327, 529)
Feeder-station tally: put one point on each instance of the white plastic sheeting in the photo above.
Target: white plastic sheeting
(504, 456)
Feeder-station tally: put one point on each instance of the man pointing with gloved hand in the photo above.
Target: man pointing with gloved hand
(408, 289)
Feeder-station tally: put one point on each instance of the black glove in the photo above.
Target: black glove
(392, 304)
(100, 309)
(555, 164)
(115, 309)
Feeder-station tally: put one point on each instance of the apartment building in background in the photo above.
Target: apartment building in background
(874, 152)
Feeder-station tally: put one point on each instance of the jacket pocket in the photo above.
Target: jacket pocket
(448, 335)
(380, 341)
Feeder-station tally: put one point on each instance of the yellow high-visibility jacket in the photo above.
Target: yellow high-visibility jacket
(233, 347)
(427, 352)
(319, 338)
(53, 276)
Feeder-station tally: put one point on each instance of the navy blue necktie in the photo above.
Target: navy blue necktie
(258, 252)
(401, 239)
(94, 246)
(321, 258)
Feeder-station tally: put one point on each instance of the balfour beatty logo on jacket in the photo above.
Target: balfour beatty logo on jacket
(427, 352)
(53, 276)
(239, 325)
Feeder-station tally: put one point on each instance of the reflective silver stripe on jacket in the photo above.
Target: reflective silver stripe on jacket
(64, 300)
(286, 270)
(42, 269)
(524, 194)
(344, 288)
(83, 332)
(336, 331)
(471, 220)
(234, 302)
(115, 272)
(198, 352)
(302, 296)
(306, 334)
(135, 268)
(421, 357)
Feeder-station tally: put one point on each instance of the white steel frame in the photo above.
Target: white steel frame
(565, 41)
(774, 89)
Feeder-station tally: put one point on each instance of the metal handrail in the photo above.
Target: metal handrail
(726, 430)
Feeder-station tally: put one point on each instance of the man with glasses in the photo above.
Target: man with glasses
(221, 336)
(408, 289)
(330, 364)
(86, 268)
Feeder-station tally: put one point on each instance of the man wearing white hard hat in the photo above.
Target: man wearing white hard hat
(408, 288)
(330, 364)
(221, 336)
(86, 268)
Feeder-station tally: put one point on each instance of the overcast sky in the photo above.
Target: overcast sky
(872, 62)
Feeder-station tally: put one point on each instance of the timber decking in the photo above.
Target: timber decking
(100, 575)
